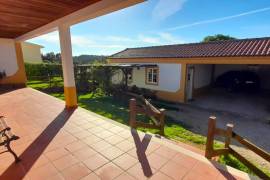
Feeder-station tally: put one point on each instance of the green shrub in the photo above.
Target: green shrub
(42, 70)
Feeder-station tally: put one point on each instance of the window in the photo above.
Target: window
(152, 76)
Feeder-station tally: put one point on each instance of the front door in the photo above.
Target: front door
(190, 79)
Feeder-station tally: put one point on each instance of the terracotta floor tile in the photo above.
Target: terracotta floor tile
(108, 171)
(160, 176)
(95, 161)
(156, 160)
(87, 126)
(41, 161)
(174, 170)
(125, 176)
(43, 172)
(111, 153)
(125, 161)
(75, 172)
(125, 134)
(56, 177)
(65, 162)
(114, 139)
(133, 152)
(141, 173)
(75, 146)
(166, 152)
(91, 176)
(116, 129)
(101, 145)
(206, 170)
(184, 160)
(82, 134)
(125, 145)
(84, 153)
(57, 153)
(95, 130)
(91, 140)
(104, 134)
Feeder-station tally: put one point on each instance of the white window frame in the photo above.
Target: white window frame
(150, 73)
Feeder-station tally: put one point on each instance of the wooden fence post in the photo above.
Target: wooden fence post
(162, 121)
(132, 113)
(228, 135)
(210, 137)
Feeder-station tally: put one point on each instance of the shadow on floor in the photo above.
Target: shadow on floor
(141, 147)
(34, 151)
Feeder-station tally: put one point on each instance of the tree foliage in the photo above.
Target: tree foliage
(217, 37)
(52, 57)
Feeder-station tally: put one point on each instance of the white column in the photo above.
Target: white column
(67, 66)
(66, 56)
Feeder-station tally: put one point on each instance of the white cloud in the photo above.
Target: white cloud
(166, 8)
(95, 44)
(149, 39)
(219, 19)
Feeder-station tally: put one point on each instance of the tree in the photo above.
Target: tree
(217, 37)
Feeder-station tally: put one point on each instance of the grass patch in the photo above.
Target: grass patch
(108, 107)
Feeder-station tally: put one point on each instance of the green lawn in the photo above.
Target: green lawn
(108, 107)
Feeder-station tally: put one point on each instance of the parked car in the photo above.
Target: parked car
(235, 81)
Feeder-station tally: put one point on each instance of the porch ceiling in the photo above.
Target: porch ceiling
(19, 16)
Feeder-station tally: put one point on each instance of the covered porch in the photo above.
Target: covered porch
(57, 143)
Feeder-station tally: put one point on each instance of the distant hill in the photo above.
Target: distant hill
(89, 59)
(82, 59)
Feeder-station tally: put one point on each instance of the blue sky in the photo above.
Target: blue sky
(159, 22)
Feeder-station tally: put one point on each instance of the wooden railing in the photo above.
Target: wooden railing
(142, 106)
(229, 135)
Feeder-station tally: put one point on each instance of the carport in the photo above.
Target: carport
(201, 89)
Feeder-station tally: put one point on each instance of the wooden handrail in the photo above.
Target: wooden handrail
(252, 147)
(229, 134)
(149, 110)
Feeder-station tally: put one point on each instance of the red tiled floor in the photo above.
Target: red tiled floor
(160, 176)
(65, 162)
(75, 172)
(125, 176)
(84, 153)
(125, 161)
(111, 153)
(157, 161)
(91, 176)
(108, 171)
(95, 161)
(174, 171)
(57, 153)
(65, 144)
(125, 145)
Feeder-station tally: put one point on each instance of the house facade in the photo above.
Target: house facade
(180, 72)
(31, 52)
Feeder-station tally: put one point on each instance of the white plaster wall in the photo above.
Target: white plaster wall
(202, 75)
(8, 59)
(169, 77)
(31, 52)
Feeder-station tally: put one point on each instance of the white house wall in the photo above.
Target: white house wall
(8, 59)
(169, 78)
(202, 75)
(31, 53)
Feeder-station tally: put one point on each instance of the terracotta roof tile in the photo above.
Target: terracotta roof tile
(239, 47)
